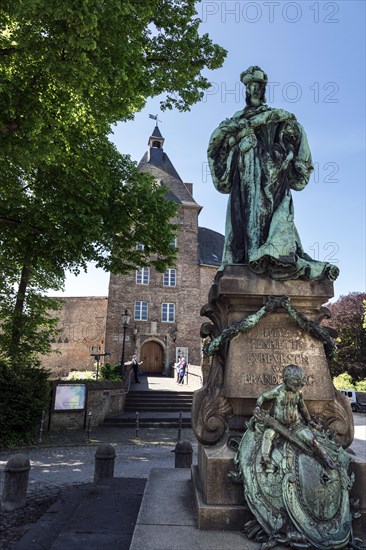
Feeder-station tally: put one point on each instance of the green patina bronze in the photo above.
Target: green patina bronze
(295, 477)
(273, 303)
(257, 156)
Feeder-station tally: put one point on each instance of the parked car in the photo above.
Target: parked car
(357, 399)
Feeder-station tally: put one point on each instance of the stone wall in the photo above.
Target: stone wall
(186, 295)
(82, 322)
(103, 399)
(85, 328)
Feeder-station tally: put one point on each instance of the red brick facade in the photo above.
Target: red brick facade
(155, 341)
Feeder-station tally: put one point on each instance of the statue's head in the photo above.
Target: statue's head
(255, 81)
(293, 377)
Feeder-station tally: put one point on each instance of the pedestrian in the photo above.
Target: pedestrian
(135, 366)
(182, 370)
(176, 367)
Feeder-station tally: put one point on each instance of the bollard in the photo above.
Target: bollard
(104, 463)
(180, 425)
(15, 483)
(88, 430)
(41, 428)
(183, 454)
(137, 424)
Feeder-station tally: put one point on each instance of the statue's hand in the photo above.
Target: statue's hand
(313, 424)
(248, 142)
(257, 413)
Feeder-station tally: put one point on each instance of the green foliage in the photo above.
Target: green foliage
(25, 393)
(344, 381)
(361, 385)
(69, 70)
(24, 337)
(348, 320)
(110, 372)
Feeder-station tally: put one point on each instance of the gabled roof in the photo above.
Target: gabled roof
(158, 164)
(156, 132)
(210, 246)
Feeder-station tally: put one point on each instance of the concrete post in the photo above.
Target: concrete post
(183, 454)
(104, 463)
(15, 482)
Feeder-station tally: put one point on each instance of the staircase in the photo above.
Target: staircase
(163, 409)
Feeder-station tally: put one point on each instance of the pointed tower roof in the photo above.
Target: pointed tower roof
(157, 163)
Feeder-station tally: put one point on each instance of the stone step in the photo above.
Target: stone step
(156, 409)
(148, 408)
(151, 419)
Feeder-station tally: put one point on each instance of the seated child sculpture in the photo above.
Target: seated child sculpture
(289, 409)
(295, 477)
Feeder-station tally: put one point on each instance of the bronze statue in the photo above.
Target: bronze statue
(257, 156)
(295, 476)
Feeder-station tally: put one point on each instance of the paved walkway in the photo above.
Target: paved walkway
(67, 460)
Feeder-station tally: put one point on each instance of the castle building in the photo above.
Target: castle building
(165, 308)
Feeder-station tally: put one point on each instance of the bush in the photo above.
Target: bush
(25, 393)
(110, 372)
(345, 381)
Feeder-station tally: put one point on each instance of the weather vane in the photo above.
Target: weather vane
(155, 117)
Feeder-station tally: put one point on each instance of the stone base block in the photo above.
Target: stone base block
(225, 517)
(215, 463)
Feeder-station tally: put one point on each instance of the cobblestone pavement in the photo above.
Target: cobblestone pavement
(65, 461)
(67, 458)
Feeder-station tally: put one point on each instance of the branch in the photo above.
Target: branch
(9, 127)
(13, 222)
(8, 51)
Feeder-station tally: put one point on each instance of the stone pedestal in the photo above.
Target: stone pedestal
(251, 362)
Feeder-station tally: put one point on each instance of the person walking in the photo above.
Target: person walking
(182, 370)
(135, 367)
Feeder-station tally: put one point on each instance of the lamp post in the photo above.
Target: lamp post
(97, 357)
(125, 320)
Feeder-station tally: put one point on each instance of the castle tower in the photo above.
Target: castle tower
(165, 308)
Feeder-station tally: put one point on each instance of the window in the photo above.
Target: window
(141, 309)
(170, 277)
(174, 242)
(143, 276)
(140, 246)
(168, 313)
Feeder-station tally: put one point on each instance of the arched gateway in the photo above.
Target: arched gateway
(152, 355)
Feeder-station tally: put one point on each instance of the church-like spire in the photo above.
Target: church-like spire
(155, 143)
(156, 140)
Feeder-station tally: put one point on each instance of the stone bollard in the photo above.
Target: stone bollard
(183, 454)
(15, 483)
(104, 463)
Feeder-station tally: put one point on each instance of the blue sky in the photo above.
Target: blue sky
(314, 55)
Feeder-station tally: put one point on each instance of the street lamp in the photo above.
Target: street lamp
(125, 320)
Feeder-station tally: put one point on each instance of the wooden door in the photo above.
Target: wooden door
(153, 357)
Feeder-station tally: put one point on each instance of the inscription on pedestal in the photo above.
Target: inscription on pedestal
(256, 359)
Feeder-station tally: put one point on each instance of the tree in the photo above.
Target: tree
(69, 70)
(347, 319)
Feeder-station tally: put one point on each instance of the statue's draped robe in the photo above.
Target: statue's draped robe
(260, 229)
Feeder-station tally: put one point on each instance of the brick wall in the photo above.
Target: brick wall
(187, 297)
(82, 322)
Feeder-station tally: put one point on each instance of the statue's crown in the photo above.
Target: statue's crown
(253, 74)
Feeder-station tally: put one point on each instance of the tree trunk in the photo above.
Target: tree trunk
(17, 323)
